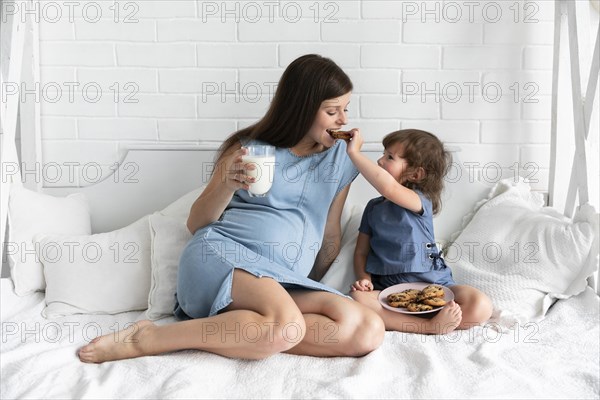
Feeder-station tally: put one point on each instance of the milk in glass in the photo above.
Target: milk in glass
(263, 158)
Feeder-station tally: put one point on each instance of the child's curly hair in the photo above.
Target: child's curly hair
(423, 150)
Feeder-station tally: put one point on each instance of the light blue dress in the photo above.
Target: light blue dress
(276, 236)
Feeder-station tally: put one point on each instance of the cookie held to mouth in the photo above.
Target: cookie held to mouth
(344, 135)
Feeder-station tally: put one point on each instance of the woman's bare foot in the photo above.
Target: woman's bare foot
(117, 345)
(446, 320)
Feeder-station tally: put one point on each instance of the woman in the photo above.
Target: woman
(243, 289)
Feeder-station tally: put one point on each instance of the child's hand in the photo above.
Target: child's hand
(362, 285)
(356, 142)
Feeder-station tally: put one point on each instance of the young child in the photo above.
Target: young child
(396, 242)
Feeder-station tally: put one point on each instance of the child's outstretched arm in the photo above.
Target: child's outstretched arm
(380, 179)
(361, 251)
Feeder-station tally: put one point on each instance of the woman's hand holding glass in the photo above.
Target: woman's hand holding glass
(262, 158)
(237, 172)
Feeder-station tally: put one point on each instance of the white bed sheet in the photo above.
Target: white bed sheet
(557, 358)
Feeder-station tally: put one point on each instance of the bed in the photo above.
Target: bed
(538, 265)
(550, 351)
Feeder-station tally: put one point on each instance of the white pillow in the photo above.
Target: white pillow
(31, 213)
(341, 273)
(105, 273)
(524, 255)
(182, 206)
(169, 236)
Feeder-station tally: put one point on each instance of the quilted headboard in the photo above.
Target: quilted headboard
(149, 178)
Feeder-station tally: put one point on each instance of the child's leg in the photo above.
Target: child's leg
(445, 321)
(476, 306)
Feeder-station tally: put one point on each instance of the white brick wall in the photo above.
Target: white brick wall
(143, 79)
(176, 30)
(482, 57)
(77, 54)
(191, 70)
(117, 128)
(237, 55)
(345, 55)
(108, 30)
(442, 32)
(157, 55)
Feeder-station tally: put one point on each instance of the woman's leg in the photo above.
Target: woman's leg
(445, 321)
(251, 327)
(476, 306)
(336, 326)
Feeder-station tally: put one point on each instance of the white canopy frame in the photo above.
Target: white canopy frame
(584, 90)
(15, 113)
(582, 105)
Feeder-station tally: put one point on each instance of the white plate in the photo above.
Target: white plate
(448, 296)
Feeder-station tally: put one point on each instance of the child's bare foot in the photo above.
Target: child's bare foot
(117, 345)
(446, 320)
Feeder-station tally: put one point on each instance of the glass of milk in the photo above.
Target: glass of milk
(263, 158)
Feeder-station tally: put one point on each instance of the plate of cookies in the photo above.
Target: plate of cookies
(415, 297)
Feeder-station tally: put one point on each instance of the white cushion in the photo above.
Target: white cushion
(524, 255)
(182, 206)
(341, 273)
(169, 236)
(31, 213)
(105, 273)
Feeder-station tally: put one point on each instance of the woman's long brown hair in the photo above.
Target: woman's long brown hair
(304, 85)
